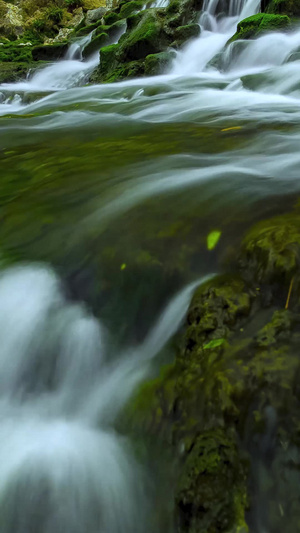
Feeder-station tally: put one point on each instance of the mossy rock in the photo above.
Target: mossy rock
(49, 52)
(131, 7)
(205, 504)
(271, 250)
(158, 63)
(95, 44)
(133, 20)
(256, 25)
(147, 38)
(111, 18)
(183, 33)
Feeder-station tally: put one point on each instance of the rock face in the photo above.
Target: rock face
(228, 407)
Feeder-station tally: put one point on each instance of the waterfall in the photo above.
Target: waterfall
(63, 467)
(215, 32)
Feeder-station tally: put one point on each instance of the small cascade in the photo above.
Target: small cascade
(63, 467)
(75, 49)
(216, 29)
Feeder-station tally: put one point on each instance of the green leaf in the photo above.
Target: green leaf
(213, 344)
(213, 239)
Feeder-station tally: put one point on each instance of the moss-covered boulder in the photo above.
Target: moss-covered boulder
(271, 250)
(111, 18)
(95, 44)
(183, 33)
(158, 63)
(256, 25)
(131, 7)
(49, 52)
(204, 502)
(147, 38)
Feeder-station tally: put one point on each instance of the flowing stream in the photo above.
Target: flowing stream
(108, 193)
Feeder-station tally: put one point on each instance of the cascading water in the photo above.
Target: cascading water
(216, 29)
(63, 468)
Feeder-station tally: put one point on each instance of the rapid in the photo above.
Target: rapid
(120, 186)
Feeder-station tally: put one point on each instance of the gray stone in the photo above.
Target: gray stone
(93, 15)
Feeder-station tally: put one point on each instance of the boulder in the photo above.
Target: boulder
(158, 63)
(93, 15)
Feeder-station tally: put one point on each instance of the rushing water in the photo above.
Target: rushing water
(116, 188)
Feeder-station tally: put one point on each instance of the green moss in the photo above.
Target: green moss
(111, 18)
(10, 72)
(131, 7)
(271, 250)
(212, 466)
(108, 57)
(15, 52)
(183, 33)
(158, 63)
(257, 24)
(95, 44)
(147, 38)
